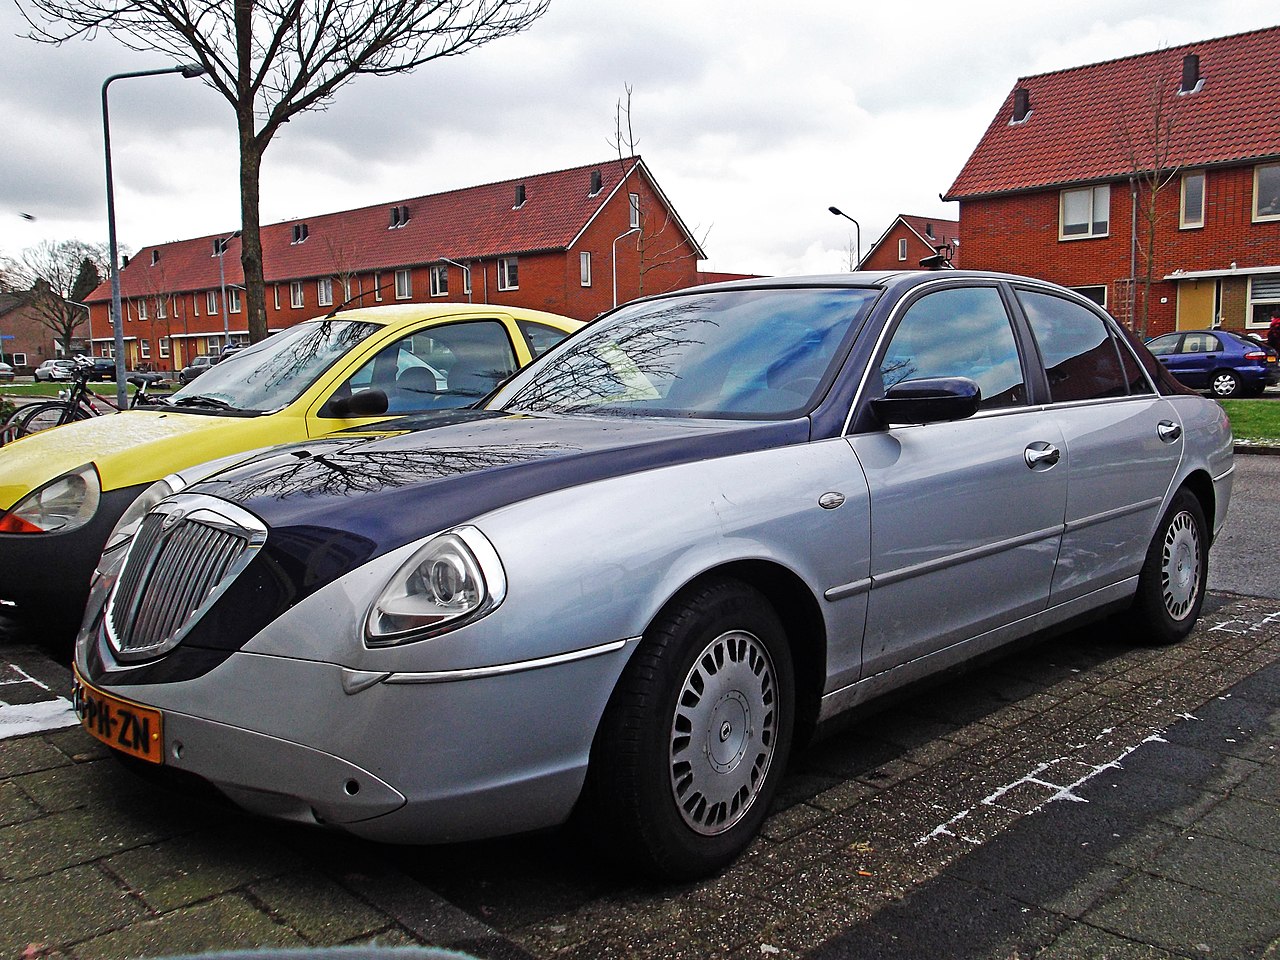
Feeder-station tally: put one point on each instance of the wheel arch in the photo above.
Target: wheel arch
(1200, 484)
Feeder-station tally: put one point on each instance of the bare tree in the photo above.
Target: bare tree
(660, 242)
(59, 276)
(1146, 137)
(274, 59)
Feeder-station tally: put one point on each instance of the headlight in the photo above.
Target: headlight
(59, 506)
(454, 578)
(127, 525)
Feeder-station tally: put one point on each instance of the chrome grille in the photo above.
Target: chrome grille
(186, 552)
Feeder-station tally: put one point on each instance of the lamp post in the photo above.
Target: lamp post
(840, 213)
(188, 70)
(615, 260)
(466, 271)
(222, 290)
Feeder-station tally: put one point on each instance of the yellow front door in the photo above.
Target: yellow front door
(1195, 304)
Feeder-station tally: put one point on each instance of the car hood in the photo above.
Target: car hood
(138, 446)
(390, 490)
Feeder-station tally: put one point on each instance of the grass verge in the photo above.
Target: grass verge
(1255, 420)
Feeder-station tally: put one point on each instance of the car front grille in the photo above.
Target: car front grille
(187, 551)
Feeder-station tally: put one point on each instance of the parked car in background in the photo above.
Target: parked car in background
(63, 490)
(630, 581)
(1226, 364)
(6, 371)
(54, 370)
(197, 366)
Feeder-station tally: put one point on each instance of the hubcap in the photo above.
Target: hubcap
(723, 732)
(1180, 566)
(1224, 386)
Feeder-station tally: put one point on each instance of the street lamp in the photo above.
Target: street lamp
(222, 288)
(840, 213)
(615, 261)
(466, 270)
(188, 70)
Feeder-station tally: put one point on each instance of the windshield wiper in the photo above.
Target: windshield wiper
(201, 401)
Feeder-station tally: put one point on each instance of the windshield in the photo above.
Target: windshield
(739, 354)
(274, 372)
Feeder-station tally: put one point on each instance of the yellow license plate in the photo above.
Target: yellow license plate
(121, 724)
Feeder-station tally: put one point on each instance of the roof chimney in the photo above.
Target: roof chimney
(1190, 73)
(520, 196)
(596, 183)
(1021, 104)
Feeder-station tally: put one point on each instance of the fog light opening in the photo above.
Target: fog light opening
(351, 787)
(177, 749)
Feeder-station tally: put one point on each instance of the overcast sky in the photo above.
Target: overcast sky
(753, 117)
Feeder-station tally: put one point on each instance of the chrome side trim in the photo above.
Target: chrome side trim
(1104, 517)
(1226, 473)
(848, 590)
(503, 669)
(964, 556)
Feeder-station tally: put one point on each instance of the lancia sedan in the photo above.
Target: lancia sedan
(633, 580)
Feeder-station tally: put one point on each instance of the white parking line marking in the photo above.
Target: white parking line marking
(18, 719)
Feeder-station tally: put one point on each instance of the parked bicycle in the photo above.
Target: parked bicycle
(78, 402)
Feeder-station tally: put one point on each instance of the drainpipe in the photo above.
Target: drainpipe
(1133, 254)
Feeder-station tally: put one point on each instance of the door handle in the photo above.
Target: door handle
(1169, 432)
(1042, 454)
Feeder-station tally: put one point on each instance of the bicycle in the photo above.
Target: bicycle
(78, 403)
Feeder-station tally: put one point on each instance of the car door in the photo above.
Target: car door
(1123, 442)
(966, 516)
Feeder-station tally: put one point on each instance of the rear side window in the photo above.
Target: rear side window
(1201, 343)
(958, 332)
(1080, 356)
(540, 336)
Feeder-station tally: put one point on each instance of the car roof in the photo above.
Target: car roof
(398, 313)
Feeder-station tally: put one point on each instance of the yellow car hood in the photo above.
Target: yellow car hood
(134, 447)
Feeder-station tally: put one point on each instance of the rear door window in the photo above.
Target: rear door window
(1080, 356)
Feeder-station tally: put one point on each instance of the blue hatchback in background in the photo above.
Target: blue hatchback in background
(1226, 364)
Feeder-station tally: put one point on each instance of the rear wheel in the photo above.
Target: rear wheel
(1224, 384)
(696, 736)
(1172, 582)
(42, 416)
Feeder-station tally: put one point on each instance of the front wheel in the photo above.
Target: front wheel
(42, 416)
(1172, 582)
(1224, 384)
(696, 736)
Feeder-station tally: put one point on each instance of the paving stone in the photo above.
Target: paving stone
(793, 820)
(1244, 820)
(16, 806)
(61, 840)
(319, 909)
(1263, 784)
(1083, 942)
(28, 754)
(1244, 873)
(59, 909)
(79, 784)
(226, 923)
(78, 746)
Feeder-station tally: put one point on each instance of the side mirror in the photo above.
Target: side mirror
(931, 400)
(366, 403)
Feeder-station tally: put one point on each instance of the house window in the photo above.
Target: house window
(19, 359)
(634, 218)
(275, 295)
(142, 309)
(404, 285)
(164, 348)
(211, 302)
(144, 349)
(324, 292)
(439, 280)
(212, 344)
(902, 249)
(509, 273)
(233, 300)
(1193, 199)
(1097, 294)
(1264, 299)
(377, 287)
(584, 268)
(1085, 213)
(1266, 192)
(195, 304)
(162, 308)
(466, 281)
(300, 233)
(295, 294)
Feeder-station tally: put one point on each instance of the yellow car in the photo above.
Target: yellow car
(62, 491)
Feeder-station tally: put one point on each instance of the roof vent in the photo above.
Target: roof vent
(300, 233)
(1021, 104)
(155, 257)
(399, 216)
(597, 183)
(1191, 79)
(520, 196)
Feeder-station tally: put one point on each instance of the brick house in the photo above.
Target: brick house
(546, 241)
(25, 342)
(1061, 185)
(910, 240)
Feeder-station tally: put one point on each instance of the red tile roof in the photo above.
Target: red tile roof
(1075, 131)
(460, 224)
(943, 230)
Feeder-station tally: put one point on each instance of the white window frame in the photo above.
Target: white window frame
(584, 267)
(297, 298)
(164, 348)
(377, 287)
(142, 309)
(439, 279)
(20, 359)
(902, 249)
(1185, 220)
(144, 348)
(324, 292)
(162, 308)
(1255, 301)
(633, 209)
(275, 294)
(212, 344)
(211, 302)
(404, 284)
(233, 299)
(195, 304)
(1273, 172)
(1099, 195)
(509, 270)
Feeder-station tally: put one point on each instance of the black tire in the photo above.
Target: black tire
(1224, 384)
(42, 416)
(1172, 582)
(679, 783)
